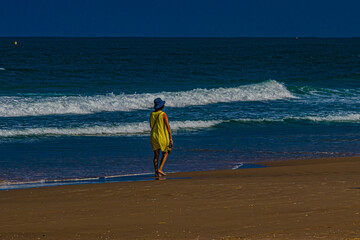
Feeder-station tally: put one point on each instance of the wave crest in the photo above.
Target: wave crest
(11, 106)
(142, 128)
(331, 118)
(139, 128)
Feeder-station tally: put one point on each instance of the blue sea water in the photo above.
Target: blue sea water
(79, 107)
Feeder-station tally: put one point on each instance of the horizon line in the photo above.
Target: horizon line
(74, 36)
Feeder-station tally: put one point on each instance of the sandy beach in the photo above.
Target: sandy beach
(302, 199)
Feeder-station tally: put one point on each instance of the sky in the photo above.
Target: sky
(180, 18)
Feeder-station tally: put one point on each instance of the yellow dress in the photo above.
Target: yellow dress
(159, 137)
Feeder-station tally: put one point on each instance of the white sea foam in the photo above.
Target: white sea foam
(237, 165)
(331, 118)
(138, 128)
(2, 69)
(354, 118)
(11, 106)
(142, 128)
(336, 117)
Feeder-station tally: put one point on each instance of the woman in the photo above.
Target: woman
(160, 135)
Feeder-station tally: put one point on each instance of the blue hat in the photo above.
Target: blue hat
(158, 103)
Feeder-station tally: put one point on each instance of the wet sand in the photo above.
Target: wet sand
(305, 199)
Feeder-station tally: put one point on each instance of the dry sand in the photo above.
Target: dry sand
(307, 199)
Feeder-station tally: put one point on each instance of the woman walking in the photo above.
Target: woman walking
(160, 137)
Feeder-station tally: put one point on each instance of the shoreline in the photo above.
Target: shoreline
(294, 199)
(8, 185)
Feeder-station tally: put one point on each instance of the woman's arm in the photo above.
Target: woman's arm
(166, 120)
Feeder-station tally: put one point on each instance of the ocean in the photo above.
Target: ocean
(78, 108)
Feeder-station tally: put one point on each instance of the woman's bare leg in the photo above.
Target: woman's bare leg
(162, 163)
(156, 161)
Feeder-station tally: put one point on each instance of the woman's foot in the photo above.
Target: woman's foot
(161, 173)
(157, 174)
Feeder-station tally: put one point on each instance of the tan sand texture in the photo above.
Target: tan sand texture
(307, 199)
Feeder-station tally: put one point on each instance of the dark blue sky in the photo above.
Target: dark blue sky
(188, 18)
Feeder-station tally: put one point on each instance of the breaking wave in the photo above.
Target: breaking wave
(14, 106)
(351, 118)
(331, 118)
(140, 128)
